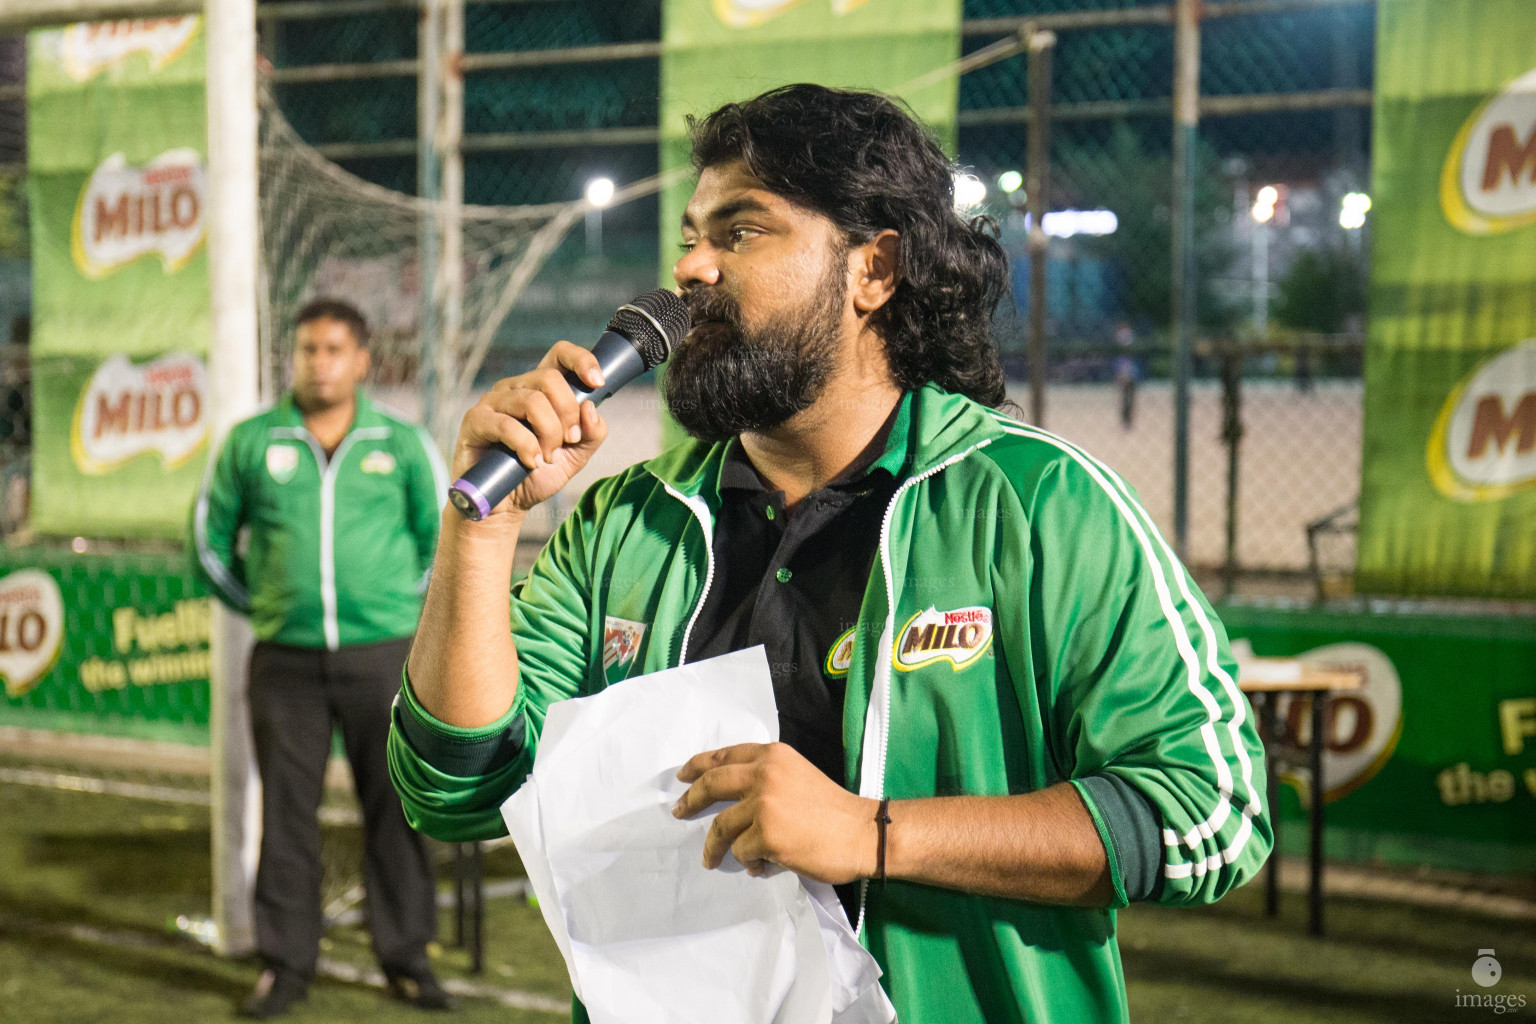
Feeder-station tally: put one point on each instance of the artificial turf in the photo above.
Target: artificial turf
(89, 883)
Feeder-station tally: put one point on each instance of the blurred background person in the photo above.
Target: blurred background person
(1126, 373)
(341, 501)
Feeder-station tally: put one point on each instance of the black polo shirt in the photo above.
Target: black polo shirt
(794, 581)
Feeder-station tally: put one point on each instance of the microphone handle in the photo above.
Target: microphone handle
(497, 473)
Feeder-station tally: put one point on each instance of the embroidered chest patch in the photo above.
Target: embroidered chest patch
(282, 461)
(621, 642)
(840, 655)
(380, 462)
(960, 635)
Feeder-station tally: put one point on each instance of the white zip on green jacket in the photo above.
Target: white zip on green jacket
(339, 547)
(1021, 632)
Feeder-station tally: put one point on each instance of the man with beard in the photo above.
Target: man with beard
(1001, 698)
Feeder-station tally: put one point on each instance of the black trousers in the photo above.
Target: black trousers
(296, 694)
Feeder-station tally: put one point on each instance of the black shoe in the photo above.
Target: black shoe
(274, 994)
(420, 988)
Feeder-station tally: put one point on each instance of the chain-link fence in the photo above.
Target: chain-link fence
(559, 92)
(1275, 402)
(556, 93)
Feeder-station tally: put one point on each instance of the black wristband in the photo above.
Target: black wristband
(882, 819)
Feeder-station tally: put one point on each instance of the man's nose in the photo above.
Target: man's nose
(697, 267)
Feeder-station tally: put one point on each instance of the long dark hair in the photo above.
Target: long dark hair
(861, 160)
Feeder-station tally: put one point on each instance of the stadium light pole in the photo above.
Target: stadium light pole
(233, 375)
(598, 194)
(1263, 212)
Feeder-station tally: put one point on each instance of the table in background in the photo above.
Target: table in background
(1268, 678)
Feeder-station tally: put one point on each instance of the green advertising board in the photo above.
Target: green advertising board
(1448, 490)
(1434, 762)
(112, 645)
(116, 132)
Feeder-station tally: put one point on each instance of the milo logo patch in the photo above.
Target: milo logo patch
(961, 636)
(840, 655)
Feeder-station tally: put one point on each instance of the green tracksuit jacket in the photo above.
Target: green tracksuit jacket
(339, 548)
(1025, 625)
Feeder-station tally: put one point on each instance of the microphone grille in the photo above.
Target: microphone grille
(639, 320)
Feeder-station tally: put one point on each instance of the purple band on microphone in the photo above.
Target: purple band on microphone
(472, 492)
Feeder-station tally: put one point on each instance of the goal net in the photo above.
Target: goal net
(328, 232)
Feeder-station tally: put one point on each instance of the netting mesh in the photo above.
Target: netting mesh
(555, 24)
(325, 231)
(1274, 441)
(359, 36)
(1275, 408)
(366, 115)
(340, 172)
(556, 175)
(562, 98)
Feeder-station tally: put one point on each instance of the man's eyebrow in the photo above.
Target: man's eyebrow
(725, 211)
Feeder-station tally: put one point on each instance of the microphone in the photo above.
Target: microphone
(638, 338)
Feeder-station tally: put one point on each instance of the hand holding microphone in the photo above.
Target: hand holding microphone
(530, 434)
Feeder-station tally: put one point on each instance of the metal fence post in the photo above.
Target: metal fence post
(1186, 120)
(1232, 437)
(1039, 157)
(429, 104)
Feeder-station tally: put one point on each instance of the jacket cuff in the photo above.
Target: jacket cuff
(1132, 831)
(456, 751)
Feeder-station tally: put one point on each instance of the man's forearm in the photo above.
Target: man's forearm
(1042, 847)
(463, 664)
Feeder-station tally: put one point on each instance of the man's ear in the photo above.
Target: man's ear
(364, 361)
(876, 271)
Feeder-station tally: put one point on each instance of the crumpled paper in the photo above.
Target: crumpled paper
(647, 933)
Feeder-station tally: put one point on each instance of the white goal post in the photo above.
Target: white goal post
(233, 383)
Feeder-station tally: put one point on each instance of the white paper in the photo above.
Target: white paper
(648, 935)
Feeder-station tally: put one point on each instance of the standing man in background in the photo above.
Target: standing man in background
(1126, 373)
(342, 505)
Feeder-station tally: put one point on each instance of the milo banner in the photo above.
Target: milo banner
(116, 138)
(716, 51)
(1434, 761)
(1448, 495)
(112, 645)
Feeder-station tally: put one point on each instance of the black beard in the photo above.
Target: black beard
(725, 380)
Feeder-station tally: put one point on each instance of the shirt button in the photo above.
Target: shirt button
(783, 575)
(769, 510)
